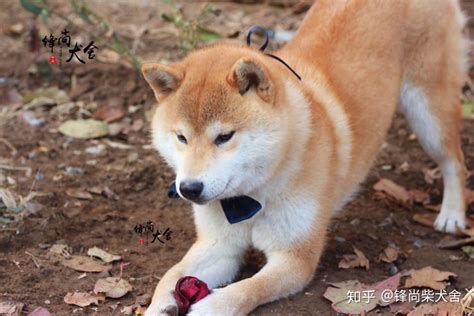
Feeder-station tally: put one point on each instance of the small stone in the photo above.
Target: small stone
(47, 302)
(74, 170)
(144, 300)
(132, 157)
(355, 222)
(392, 269)
(96, 150)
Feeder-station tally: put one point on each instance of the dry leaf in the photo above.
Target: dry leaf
(108, 114)
(425, 219)
(429, 277)
(85, 264)
(438, 309)
(433, 208)
(11, 308)
(389, 254)
(140, 311)
(420, 197)
(337, 293)
(402, 308)
(102, 255)
(354, 261)
(431, 174)
(392, 189)
(60, 250)
(84, 129)
(79, 194)
(112, 287)
(449, 243)
(40, 311)
(143, 300)
(82, 299)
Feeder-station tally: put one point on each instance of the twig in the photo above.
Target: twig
(9, 145)
(17, 264)
(35, 260)
(26, 169)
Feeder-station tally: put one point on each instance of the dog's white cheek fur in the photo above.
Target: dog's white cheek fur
(163, 140)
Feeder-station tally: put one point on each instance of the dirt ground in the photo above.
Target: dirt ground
(139, 180)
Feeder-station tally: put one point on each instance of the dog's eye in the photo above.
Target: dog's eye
(223, 138)
(182, 139)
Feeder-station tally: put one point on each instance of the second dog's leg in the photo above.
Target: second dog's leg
(436, 123)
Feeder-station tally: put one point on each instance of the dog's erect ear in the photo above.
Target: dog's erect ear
(247, 74)
(162, 79)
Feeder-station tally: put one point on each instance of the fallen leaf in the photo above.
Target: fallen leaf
(354, 261)
(393, 190)
(60, 250)
(429, 277)
(105, 191)
(143, 300)
(389, 254)
(402, 308)
(15, 29)
(11, 308)
(420, 197)
(59, 96)
(108, 114)
(102, 255)
(85, 264)
(112, 287)
(140, 311)
(431, 174)
(455, 243)
(438, 309)
(433, 208)
(338, 294)
(468, 250)
(108, 56)
(467, 300)
(82, 299)
(84, 129)
(128, 310)
(79, 194)
(40, 311)
(425, 219)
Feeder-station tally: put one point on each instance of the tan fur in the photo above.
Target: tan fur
(357, 59)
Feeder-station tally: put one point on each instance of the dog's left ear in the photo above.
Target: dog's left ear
(248, 74)
(163, 79)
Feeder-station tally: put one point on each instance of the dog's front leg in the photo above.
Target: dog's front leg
(212, 261)
(285, 273)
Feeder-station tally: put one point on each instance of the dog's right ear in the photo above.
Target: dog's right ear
(162, 79)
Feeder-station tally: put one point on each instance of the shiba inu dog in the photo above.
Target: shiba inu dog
(233, 122)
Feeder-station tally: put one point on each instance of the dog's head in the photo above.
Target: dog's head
(220, 120)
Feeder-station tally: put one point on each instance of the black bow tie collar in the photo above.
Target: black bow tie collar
(236, 209)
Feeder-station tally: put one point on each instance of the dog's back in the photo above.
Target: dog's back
(371, 54)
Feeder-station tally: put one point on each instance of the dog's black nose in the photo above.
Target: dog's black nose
(191, 189)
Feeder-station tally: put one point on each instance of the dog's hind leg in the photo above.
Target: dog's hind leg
(435, 119)
(430, 99)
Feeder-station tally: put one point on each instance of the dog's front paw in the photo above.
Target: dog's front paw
(450, 222)
(219, 302)
(163, 305)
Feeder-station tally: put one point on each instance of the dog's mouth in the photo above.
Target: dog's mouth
(236, 209)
